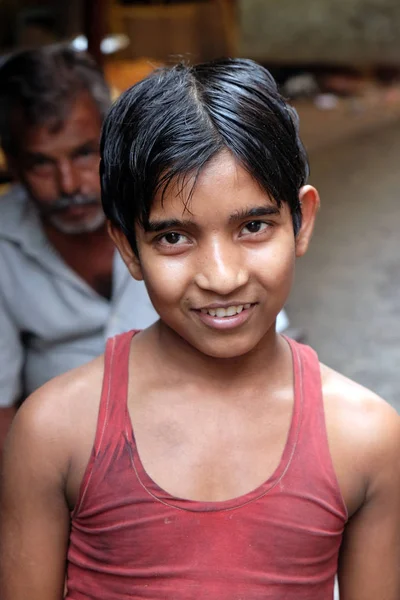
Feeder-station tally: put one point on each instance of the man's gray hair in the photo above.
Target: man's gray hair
(43, 84)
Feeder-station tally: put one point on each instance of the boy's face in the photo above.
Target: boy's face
(219, 271)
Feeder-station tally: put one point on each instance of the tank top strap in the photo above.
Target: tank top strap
(308, 389)
(114, 395)
(307, 374)
(313, 445)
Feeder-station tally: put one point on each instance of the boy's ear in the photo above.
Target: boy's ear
(309, 199)
(128, 256)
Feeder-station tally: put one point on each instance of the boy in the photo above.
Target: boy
(212, 458)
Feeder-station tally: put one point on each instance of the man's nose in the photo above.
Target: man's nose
(221, 269)
(68, 178)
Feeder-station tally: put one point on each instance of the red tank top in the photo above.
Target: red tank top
(131, 539)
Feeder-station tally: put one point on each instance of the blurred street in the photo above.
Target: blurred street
(347, 290)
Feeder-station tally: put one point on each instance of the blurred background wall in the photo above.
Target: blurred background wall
(344, 31)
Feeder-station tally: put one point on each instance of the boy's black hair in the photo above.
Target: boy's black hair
(173, 122)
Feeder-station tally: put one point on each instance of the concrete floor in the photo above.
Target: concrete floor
(347, 289)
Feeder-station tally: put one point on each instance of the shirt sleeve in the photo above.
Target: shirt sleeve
(11, 358)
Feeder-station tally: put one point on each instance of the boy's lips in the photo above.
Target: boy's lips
(225, 315)
(224, 304)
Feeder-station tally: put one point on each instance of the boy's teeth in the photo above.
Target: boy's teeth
(230, 311)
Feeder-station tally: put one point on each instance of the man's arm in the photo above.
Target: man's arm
(11, 359)
(369, 564)
(7, 415)
(34, 515)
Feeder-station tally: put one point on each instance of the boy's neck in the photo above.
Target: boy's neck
(266, 361)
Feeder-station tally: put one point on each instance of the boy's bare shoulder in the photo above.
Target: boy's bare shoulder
(61, 413)
(68, 395)
(358, 419)
(347, 395)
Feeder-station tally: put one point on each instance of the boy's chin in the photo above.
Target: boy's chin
(225, 348)
(221, 344)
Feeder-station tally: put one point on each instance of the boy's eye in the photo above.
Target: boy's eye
(254, 227)
(173, 238)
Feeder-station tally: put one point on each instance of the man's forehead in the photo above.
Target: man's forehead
(77, 123)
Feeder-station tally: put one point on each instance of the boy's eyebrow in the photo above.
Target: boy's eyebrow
(259, 211)
(155, 226)
(162, 225)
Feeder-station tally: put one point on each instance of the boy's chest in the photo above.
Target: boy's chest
(215, 452)
(205, 453)
(212, 453)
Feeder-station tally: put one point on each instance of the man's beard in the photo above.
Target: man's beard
(54, 214)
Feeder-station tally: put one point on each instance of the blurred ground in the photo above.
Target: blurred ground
(347, 289)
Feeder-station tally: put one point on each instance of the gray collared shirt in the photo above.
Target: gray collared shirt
(50, 319)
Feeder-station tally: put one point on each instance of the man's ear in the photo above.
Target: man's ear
(128, 256)
(309, 199)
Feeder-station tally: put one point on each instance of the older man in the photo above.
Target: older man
(63, 287)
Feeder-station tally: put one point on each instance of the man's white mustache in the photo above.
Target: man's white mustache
(66, 202)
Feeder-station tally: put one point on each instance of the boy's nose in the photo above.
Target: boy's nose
(221, 270)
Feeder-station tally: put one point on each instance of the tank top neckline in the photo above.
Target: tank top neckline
(161, 495)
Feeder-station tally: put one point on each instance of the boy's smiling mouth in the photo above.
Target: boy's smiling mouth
(228, 311)
(225, 315)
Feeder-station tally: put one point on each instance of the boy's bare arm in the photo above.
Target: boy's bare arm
(369, 564)
(34, 515)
